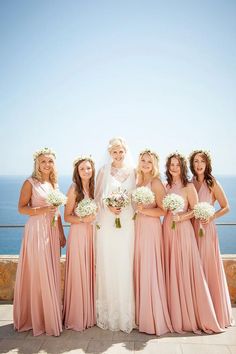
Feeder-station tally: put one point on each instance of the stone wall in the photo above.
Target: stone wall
(8, 265)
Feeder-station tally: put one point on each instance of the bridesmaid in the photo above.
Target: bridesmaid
(79, 305)
(152, 314)
(209, 190)
(189, 300)
(37, 297)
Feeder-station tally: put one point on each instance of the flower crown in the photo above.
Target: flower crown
(200, 151)
(83, 158)
(148, 151)
(177, 154)
(43, 151)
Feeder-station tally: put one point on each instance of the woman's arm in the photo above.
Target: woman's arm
(221, 198)
(24, 206)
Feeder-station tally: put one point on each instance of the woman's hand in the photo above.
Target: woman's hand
(88, 219)
(176, 217)
(51, 210)
(62, 240)
(139, 207)
(114, 210)
(206, 221)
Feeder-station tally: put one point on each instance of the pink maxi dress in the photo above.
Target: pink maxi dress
(208, 246)
(151, 309)
(37, 295)
(79, 301)
(189, 301)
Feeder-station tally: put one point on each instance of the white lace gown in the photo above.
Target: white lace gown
(114, 259)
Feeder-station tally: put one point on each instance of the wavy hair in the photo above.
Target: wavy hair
(38, 175)
(209, 178)
(155, 168)
(78, 181)
(183, 169)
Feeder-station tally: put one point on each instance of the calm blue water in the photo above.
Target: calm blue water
(10, 239)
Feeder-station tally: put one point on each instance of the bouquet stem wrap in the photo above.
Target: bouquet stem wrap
(56, 198)
(174, 203)
(117, 199)
(203, 211)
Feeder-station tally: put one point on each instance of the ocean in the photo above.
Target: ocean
(10, 238)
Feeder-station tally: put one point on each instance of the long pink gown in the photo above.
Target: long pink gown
(189, 301)
(208, 246)
(151, 309)
(37, 295)
(79, 302)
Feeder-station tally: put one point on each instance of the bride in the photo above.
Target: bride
(115, 246)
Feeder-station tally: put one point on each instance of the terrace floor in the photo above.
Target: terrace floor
(96, 340)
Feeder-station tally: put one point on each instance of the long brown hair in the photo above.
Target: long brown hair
(38, 175)
(209, 178)
(78, 182)
(183, 169)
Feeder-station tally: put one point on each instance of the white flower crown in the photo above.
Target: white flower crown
(176, 153)
(149, 151)
(200, 151)
(83, 158)
(43, 151)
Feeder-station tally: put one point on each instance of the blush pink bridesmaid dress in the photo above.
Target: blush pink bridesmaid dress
(79, 301)
(189, 301)
(208, 246)
(151, 311)
(37, 295)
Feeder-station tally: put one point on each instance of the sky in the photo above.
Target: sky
(74, 74)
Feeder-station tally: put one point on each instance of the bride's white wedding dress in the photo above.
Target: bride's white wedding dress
(114, 256)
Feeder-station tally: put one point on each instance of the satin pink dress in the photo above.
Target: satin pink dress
(151, 311)
(79, 302)
(208, 246)
(189, 301)
(37, 295)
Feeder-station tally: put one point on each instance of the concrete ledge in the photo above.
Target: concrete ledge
(8, 265)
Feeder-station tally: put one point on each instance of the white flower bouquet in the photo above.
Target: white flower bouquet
(86, 207)
(174, 203)
(142, 195)
(203, 211)
(56, 198)
(118, 199)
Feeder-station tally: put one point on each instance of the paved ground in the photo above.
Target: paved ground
(98, 341)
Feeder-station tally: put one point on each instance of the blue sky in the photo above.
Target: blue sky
(76, 73)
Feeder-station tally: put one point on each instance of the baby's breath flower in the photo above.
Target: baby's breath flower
(43, 151)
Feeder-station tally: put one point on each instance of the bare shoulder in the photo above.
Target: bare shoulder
(27, 186)
(216, 185)
(72, 189)
(190, 186)
(157, 183)
(217, 189)
(190, 189)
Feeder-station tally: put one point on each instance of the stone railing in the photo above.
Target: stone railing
(8, 265)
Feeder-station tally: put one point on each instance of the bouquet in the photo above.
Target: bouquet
(117, 199)
(142, 195)
(86, 207)
(56, 198)
(174, 203)
(203, 210)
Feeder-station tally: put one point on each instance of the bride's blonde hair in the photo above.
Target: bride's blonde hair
(117, 142)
